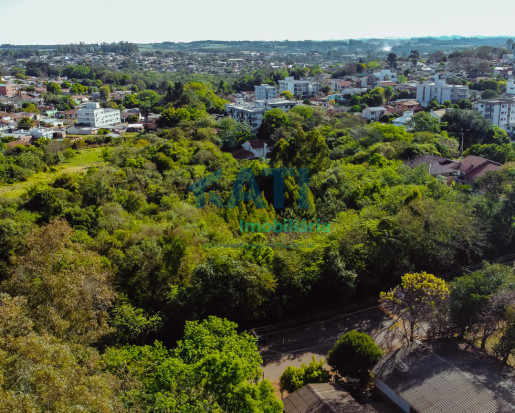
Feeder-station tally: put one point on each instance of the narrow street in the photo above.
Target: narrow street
(296, 341)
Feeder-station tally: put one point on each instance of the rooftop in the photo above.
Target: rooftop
(443, 377)
(323, 398)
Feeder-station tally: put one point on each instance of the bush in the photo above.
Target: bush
(353, 355)
(294, 378)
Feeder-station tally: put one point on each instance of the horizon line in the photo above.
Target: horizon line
(275, 40)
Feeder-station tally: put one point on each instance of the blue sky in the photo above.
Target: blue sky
(147, 21)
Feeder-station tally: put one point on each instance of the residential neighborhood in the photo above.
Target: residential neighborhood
(247, 226)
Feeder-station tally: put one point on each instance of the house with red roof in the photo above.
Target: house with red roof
(463, 172)
(254, 149)
(473, 167)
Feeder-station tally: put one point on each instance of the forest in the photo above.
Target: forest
(111, 301)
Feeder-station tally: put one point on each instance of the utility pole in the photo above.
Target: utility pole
(461, 152)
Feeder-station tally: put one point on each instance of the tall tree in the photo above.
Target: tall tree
(392, 59)
(68, 289)
(415, 300)
(212, 369)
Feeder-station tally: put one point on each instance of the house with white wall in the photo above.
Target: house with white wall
(373, 113)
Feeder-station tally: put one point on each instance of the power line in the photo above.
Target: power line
(319, 322)
(270, 329)
(314, 316)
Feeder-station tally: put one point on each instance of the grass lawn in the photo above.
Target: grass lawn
(79, 163)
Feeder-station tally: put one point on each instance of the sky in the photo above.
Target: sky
(153, 21)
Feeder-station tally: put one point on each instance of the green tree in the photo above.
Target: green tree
(495, 152)
(232, 132)
(415, 300)
(496, 135)
(402, 79)
(53, 88)
(132, 323)
(228, 288)
(25, 123)
(392, 59)
(293, 378)
(304, 150)
(105, 92)
(424, 122)
(42, 373)
(489, 94)
(414, 56)
(388, 93)
(212, 369)
(133, 119)
(353, 355)
(506, 345)
(172, 116)
(273, 119)
(68, 289)
(471, 294)
(287, 95)
(472, 124)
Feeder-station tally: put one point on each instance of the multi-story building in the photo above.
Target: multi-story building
(440, 91)
(93, 115)
(302, 88)
(501, 112)
(265, 92)
(252, 112)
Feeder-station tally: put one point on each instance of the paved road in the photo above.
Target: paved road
(295, 342)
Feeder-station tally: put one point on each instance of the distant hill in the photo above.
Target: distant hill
(400, 46)
(344, 46)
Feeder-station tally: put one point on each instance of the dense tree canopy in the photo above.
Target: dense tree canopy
(353, 355)
(213, 368)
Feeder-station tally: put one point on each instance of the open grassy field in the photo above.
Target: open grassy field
(79, 163)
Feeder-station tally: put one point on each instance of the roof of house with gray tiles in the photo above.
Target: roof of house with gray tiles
(435, 384)
(323, 398)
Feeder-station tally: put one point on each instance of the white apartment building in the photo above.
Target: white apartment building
(265, 92)
(252, 112)
(302, 88)
(501, 112)
(94, 116)
(440, 91)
